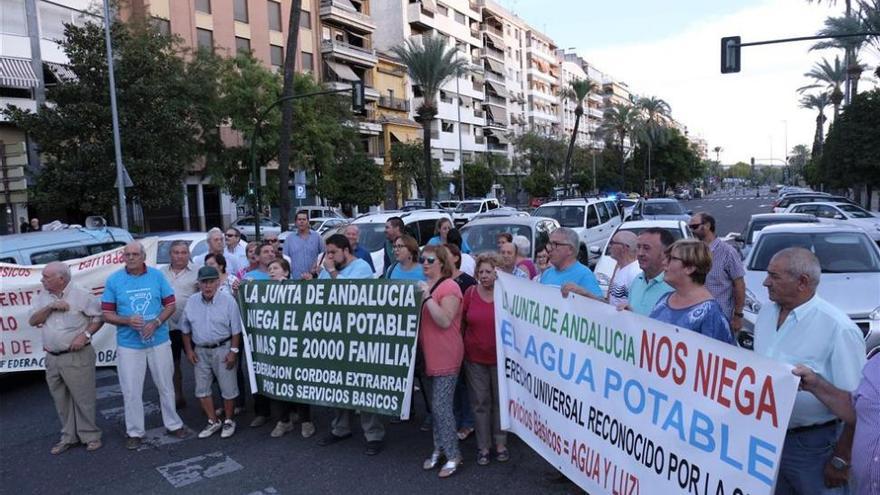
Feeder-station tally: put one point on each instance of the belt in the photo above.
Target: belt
(802, 429)
(65, 352)
(214, 346)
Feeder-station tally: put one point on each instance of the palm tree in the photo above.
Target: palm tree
(431, 63)
(652, 127)
(829, 76)
(618, 122)
(718, 150)
(845, 25)
(870, 14)
(577, 91)
(817, 102)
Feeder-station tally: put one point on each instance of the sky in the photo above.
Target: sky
(671, 50)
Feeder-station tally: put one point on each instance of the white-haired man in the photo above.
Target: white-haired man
(566, 271)
(799, 327)
(68, 317)
(623, 251)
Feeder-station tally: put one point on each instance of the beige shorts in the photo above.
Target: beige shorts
(211, 365)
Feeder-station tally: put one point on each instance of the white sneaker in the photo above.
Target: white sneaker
(281, 428)
(228, 429)
(210, 429)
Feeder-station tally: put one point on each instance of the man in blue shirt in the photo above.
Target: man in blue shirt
(352, 233)
(302, 247)
(138, 300)
(648, 287)
(265, 255)
(340, 263)
(566, 271)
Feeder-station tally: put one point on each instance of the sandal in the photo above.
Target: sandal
(464, 433)
(503, 456)
(449, 468)
(431, 462)
(483, 458)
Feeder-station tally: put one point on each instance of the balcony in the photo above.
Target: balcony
(492, 76)
(421, 14)
(354, 54)
(480, 114)
(545, 97)
(480, 139)
(492, 29)
(542, 76)
(394, 103)
(488, 51)
(496, 147)
(496, 100)
(342, 12)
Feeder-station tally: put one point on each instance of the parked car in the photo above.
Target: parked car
(745, 240)
(504, 211)
(419, 204)
(320, 211)
(481, 234)
(776, 188)
(850, 263)
(660, 209)
(418, 223)
(469, 208)
(844, 212)
(782, 204)
(594, 219)
(698, 193)
(606, 264)
(449, 204)
(38, 248)
(247, 227)
(626, 206)
(683, 194)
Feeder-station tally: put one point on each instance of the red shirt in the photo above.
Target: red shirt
(443, 347)
(479, 333)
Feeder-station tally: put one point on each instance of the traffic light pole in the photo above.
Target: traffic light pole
(731, 45)
(357, 95)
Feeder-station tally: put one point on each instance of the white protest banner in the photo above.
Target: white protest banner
(624, 404)
(21, 345)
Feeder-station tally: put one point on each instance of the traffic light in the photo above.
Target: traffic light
(251, 189)
(357, 96)
(730, 54)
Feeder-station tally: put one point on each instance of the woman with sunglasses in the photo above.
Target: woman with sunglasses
(478, 326)
(690, 305)
(441, 342)
(406, 260)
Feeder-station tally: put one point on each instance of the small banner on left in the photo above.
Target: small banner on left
(21, 345)
(349, 344)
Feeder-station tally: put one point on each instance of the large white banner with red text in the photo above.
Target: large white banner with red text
(625, 404)
(21, 345)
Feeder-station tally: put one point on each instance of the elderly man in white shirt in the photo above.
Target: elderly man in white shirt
(799, 327)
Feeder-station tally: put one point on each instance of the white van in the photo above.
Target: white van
(594, 220)
(39, 248)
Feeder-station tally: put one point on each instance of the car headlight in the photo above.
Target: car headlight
(752, 305)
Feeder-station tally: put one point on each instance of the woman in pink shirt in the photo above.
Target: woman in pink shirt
(441, 343)
(481, 364)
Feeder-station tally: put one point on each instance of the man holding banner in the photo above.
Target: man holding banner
(799, 327)
(341, 264)
(566, 271)
(68, 317)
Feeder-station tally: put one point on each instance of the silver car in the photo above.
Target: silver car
(850, 279)
(482, 234)
(842, 212)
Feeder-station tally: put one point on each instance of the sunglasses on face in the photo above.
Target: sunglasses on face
(694, 226)
(427, 259)
(231, 235)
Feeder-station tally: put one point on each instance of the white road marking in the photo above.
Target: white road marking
(729, 206)
(157, 437)
(200, 468)
(108, 391)
(117, 414)
(265, 491)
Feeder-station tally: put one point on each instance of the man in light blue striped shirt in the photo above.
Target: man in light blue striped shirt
(303, 248)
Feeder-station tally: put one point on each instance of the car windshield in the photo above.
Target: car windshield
(838, 252)
(484, 237)
(467, 207)
(676, 234)
(761, 224)
(567, 216)
(664, 208)
(854, 211)
(372, 236)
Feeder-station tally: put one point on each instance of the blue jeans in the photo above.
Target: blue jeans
(803, 460)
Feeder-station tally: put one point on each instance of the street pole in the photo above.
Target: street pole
(460, 155)
(595, 189)
(117, 146)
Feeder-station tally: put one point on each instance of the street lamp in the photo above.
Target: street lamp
(114, 114)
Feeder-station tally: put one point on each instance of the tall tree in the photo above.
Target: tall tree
(870, 14)
(541, 152)
(577, 91)
(852, 150)
(167, 117)
(287, 112)
(407, 168)
(817, 102)
(430, 63)
(651, 128)
(830, 76)
(848, 24)
(618, 123)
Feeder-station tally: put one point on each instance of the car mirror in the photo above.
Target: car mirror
(594, 249)
(739, 238)
(838, 216)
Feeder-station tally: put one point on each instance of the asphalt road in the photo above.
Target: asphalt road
(250, 462)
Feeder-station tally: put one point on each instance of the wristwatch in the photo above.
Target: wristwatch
(233, 350)
(839, 463)
(88, 336)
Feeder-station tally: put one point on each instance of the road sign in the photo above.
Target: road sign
(300, 191)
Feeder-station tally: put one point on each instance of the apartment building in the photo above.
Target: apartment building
(572, 69)
(543, 78)
(457, 133)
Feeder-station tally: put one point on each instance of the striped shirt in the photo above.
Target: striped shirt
(727, 266)
(302, 252)
(866, 442)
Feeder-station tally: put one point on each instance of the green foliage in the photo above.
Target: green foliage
(544, 153)
(539, 184)
(673, 161)
(167, 116)
(852, 149)
(430, 62)
(478, 179)
(407, 167)
(355, 181)
(740, 170)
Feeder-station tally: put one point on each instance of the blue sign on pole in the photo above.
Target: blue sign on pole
(300, 191)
